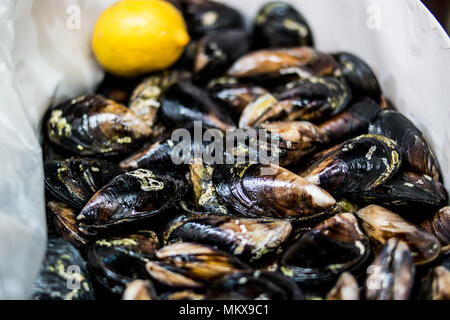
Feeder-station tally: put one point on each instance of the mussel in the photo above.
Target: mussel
(436, 285)
(351, 122)
(131, 197)
(439, 225)
(416, 153)
(302, 62)
(248, 239)
(330, 248)
(255, 285)
(279, 25)
(191, 265)
(116, 88)
(346, 288)
(263, 190)
(64, 274)
(314, 98)
(358, 75)
(145, 101)
(411, 195)
(381, 224)
(118, 261)
(184, 103)
(359, 164)
(391, 275)
(64, 220)
(217, 51)
(206, 16)
(74, 181)
(92, 125)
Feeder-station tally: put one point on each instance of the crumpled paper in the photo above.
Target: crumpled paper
(45, 58)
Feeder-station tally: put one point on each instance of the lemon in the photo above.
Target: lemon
(134, 37)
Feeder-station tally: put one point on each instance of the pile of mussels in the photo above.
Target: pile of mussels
(354, 210)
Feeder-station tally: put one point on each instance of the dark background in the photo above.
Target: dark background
(441, 10)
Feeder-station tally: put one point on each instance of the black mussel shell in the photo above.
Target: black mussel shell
(192, 265)
(416, 153)
(64, 220)
(185, 295)
(411, 195)
(267, 65)
(358, 75)
(204, 17)
(360, 164)
(391, 275)
(381, 224)
(346, 288)
(145, 101)
(255, 285)
(131, 197)
(74, 181)
(184, 103)
(64, 274)
(322, 254)
(92, 125)
(279, 25)
(314, 98)
(439, 225)
(217, 51)
(116, 262)
(247, 239)
(352, 122)
(258, 190)
(140, 290)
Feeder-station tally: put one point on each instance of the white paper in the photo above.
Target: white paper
(45, 57)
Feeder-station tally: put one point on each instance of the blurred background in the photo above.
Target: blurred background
(441, 10)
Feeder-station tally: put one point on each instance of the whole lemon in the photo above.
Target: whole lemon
(134, 37)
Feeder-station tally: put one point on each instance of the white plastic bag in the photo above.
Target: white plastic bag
(45, 57)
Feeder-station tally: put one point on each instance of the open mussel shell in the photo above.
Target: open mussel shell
(64, 220)
(439, 225)
(74, 181)
(248, 239)
(411, 195)
(330, 248)
(117, 261)
(192, 265)
(255, 285)
(140, 290)
(346, 288)
(259, 190)
(302, 62)
(296, 139)
(358, 75)
(64, 274)
(184, 103)
(205, 16)
(279, 25)
(92, 125)
(416, 153)
(217, 51)
(145, 101)
(391, 275)
(436, 285)
(313, 98)
(381, 224)
(360, 164)
(352, 122)
(131, 197)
